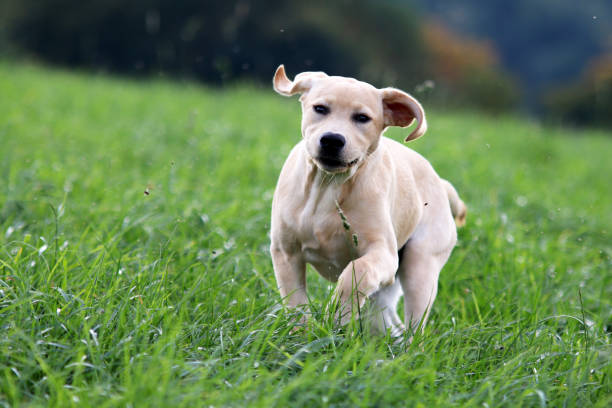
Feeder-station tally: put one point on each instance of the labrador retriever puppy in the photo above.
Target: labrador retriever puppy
(362, 209)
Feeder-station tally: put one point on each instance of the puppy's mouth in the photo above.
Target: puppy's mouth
(334, 165)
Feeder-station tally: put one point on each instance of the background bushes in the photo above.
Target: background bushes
(494, 56)
(385, 43)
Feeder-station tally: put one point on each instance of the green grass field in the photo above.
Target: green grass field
(113, 297)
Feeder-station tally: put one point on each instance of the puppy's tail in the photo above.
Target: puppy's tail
(458, 207)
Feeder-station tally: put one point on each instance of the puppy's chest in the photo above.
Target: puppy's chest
(325, 243)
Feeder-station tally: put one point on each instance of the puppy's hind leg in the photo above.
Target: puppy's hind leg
(418, 274)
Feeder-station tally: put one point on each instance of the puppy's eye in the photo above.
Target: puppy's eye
(321, 109)
(361, 118)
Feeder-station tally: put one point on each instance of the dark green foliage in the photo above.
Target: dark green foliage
(588, 101)
(221, 41)
(545, 43)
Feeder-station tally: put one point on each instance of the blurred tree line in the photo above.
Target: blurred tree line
(560, 49)
(587, 101)
(385, 42)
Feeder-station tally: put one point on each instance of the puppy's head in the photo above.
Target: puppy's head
(343, 119)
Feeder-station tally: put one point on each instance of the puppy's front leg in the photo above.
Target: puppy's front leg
(362, 278)
(290, 272)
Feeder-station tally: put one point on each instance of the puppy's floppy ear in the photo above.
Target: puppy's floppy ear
(302, 82)
(401, 109)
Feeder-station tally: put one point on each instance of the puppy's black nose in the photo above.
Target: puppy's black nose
(332, 143)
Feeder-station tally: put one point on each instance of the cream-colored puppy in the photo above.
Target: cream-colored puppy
(400, 210)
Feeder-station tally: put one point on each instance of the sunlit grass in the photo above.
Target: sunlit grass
(134, 267)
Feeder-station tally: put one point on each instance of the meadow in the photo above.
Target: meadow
(134, 264)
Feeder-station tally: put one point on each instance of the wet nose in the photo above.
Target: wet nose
(331, 143)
